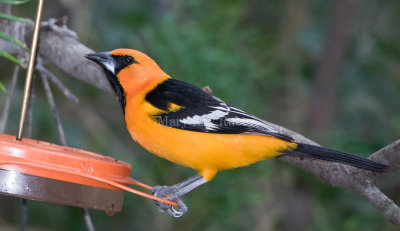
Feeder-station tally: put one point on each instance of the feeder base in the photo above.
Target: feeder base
(61, 192)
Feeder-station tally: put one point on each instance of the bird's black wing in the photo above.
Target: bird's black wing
(201, 112)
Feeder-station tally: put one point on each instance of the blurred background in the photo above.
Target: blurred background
(326, 69)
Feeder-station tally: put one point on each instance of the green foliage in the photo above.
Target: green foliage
(14, 2)
(2, 87)
(13, 18)
(10, 57)
(13, 40)
(8, 37)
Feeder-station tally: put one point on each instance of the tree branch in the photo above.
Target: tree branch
(59, 45)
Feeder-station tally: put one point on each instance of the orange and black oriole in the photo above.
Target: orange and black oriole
(182, 123)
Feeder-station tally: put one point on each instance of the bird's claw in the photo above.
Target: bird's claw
(169, 193)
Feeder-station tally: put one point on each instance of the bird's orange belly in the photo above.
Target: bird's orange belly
(205, 152)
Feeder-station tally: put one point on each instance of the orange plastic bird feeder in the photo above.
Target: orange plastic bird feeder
(43, 171)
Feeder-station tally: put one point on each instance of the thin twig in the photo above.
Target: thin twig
(88, 220)
(54, 110)
(52, 77)
(7, 104)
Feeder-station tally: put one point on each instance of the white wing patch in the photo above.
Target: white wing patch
(205, 119)
(223, 111)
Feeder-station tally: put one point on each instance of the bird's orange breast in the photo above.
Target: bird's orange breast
(205, 152)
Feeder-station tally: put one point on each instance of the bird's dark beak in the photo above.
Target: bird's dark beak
(104, 59)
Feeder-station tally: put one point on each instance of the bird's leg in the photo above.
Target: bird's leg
(175, 193)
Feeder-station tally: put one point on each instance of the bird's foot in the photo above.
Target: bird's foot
(169, 193)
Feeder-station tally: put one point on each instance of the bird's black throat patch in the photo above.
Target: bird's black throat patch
(117, 87)
(121, 61)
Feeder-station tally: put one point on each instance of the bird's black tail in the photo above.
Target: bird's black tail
(336, 156)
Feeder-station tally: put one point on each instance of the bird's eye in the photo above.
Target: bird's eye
(122, 61)
(128, 59)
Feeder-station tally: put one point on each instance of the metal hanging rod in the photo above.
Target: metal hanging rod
(29, 72)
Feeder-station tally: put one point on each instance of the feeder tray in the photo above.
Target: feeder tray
(48, 172)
